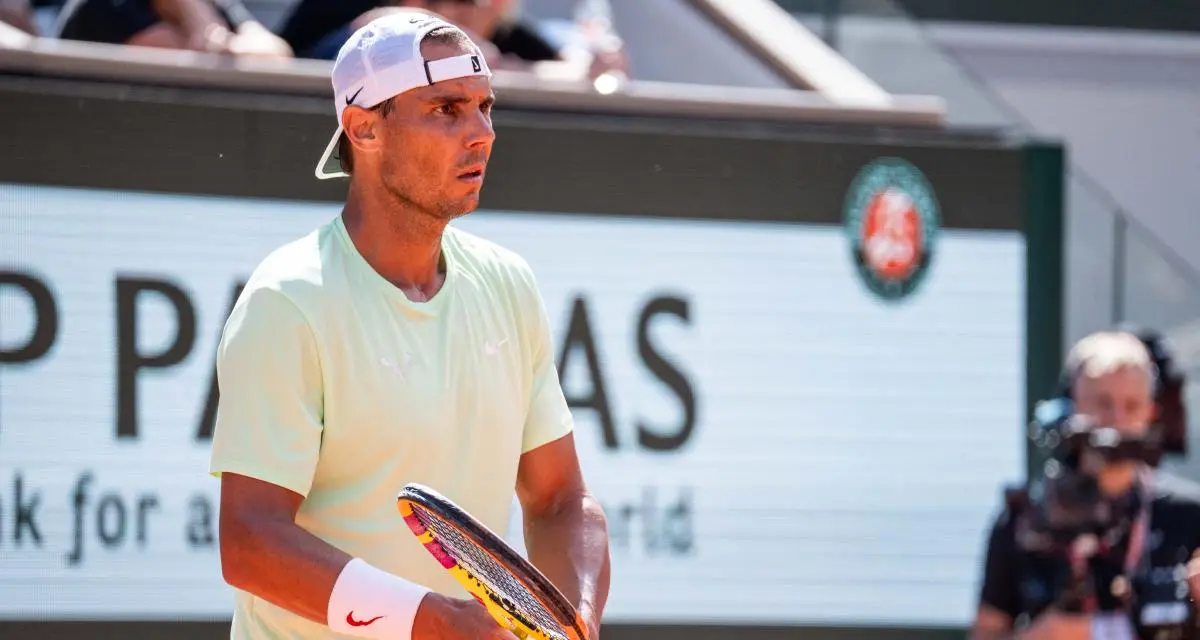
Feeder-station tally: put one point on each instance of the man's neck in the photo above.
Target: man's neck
(402, 244)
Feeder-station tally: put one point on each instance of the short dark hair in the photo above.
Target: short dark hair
(444, 35)
(448, 35)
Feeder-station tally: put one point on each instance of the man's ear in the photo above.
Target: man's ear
(362, 128)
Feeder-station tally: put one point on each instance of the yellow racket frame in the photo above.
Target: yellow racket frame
(480, 590)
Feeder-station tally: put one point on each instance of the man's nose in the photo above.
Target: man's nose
(1111, 418)
(480, 131)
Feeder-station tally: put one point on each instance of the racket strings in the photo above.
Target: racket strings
(513, 595)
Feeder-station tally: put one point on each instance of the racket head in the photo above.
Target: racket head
(515, 592)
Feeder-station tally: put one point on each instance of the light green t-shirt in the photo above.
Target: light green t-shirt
(336, 386)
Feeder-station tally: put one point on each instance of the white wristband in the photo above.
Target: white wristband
(371, 603)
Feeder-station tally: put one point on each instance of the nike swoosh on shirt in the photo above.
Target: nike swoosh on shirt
(493, 348)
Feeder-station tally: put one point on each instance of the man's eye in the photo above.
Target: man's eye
(446, 109)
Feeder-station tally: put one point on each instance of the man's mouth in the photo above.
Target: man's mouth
(472, 173)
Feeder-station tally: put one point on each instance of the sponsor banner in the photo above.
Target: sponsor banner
(786, 423)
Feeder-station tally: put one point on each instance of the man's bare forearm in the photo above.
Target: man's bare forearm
(568, 542)
(281, 563)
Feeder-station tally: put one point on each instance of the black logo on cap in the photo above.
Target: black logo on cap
(350, 99)
(475, 66)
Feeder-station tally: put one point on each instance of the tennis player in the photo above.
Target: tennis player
(388, 347)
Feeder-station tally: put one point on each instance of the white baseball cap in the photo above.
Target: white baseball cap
(383, 59)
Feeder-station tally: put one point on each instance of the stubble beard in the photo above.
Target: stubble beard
(439, 212)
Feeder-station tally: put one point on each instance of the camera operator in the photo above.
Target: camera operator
(1123, 575)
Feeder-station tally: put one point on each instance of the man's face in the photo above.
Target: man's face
(1122, 399)
(434, 146)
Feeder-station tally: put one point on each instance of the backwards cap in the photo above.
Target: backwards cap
(383, 59)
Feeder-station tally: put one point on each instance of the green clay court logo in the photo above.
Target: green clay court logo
(892, 219)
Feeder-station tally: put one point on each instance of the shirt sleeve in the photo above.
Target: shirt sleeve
(269, 414)
(1000, 588)
(549, 418)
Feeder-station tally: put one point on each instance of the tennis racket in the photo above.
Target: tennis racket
(515, 593)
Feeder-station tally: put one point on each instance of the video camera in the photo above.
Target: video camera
(1066, 501)
(1064, 518)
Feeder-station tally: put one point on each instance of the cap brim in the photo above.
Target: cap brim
(330, 165)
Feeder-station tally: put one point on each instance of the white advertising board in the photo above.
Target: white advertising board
(824, 456)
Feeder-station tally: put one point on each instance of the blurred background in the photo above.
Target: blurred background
(800, 417)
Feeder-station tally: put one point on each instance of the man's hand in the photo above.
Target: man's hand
(253, 39)
(615, 61)
(213, 38)
(443, 618)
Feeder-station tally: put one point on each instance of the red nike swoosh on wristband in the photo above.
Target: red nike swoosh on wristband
(355, 623)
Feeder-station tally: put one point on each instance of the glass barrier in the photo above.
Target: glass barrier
(1155, 288)
(889, 46)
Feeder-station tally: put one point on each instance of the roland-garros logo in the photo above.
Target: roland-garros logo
(892, 221)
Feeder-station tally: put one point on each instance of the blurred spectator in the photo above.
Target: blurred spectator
(500, 21)
(19, 14)
(318, 28)
(216, 26)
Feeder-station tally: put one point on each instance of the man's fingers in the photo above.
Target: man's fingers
(488, 627)
(496, 629)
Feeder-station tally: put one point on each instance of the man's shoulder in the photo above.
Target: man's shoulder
(1176, 510)
(488, 258)
(1174, 490)
(1003, 528)
(292, 270)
